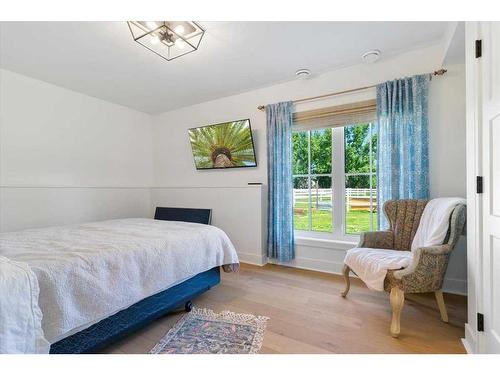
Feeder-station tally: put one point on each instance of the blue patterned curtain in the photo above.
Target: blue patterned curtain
(403, 161)
(279, 171)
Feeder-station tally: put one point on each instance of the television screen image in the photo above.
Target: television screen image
(225, 145)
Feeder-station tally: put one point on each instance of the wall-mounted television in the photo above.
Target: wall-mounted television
(224, 145)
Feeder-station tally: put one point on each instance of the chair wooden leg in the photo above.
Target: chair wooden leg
(345, 272)
(441, 305)
(397, 299)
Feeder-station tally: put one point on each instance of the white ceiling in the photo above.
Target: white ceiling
(101, 59)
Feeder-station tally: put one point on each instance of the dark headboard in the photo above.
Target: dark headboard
(192, 215)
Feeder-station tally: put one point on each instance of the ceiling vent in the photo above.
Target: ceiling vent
(303, 73)
(371, 56)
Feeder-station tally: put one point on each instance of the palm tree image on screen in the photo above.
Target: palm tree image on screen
(226, 145)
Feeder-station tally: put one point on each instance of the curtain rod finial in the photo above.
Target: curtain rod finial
(440, 72)
(261, 107)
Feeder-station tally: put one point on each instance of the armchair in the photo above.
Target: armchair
(428, 266)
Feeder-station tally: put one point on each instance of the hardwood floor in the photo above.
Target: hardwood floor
(308, 315)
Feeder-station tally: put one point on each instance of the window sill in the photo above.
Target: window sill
(325, 243)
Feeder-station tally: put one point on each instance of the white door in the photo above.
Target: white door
(490, 124)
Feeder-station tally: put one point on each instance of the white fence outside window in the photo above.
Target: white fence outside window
(323, 197)
(349, 192)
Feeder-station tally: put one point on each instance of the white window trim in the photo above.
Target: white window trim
(338, 194)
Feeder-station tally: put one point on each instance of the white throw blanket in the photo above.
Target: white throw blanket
(89, 272)
(20, 316)
(371, 265)
(434, 222)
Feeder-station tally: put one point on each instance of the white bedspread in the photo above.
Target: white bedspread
(90, 271)
(20, 316)
(371, 265)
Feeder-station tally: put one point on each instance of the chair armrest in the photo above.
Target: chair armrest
(426, 271)
(377, 240)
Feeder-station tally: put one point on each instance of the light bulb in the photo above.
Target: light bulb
(180, 43)
(155, 40)
(152, 25)
(179, 29)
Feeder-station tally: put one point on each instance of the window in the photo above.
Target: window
(360, 150)
(312, 180)
(334, 180)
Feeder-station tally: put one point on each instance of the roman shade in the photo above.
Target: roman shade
(340, 115)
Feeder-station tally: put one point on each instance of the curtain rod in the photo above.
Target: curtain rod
(439, 72)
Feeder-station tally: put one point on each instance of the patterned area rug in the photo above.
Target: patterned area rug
(204, 331)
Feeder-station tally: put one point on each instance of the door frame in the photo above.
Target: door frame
(473, 341)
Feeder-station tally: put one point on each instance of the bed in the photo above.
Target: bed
(100, 281)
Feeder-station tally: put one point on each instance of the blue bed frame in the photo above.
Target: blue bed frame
(137, 316)
(124, 322)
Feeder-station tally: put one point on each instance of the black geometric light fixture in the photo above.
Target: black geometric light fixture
(168, 39)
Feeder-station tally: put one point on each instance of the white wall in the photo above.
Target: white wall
(174, 168)
(447, 158)
(67, 157)
(447, 133)
(239, 211)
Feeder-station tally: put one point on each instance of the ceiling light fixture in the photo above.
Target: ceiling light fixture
(179, 43)
(371, 56)
(168, 39)
(152, 25)
(155, 40)
(179, 29)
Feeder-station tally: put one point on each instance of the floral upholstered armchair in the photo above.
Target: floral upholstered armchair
(426, 270)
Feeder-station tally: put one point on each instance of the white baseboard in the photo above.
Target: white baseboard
(455, 286)
(467, 347)
(469, 341)
(252, 259)
(312, 265)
